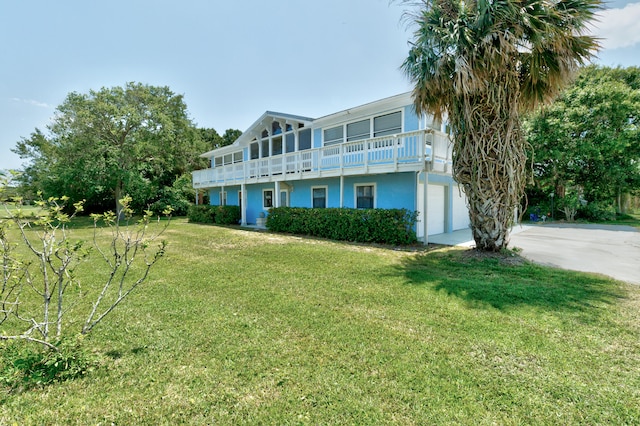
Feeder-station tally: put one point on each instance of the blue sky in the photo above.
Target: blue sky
(231, 60)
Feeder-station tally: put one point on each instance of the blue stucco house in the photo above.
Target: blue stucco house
(377, 155)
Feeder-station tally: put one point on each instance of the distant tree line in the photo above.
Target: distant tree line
(586, 146)
(136, 140)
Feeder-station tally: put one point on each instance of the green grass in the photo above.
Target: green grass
(26, 210)
(240, 327)
(631, 219)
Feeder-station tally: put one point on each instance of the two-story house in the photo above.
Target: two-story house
(378, 155)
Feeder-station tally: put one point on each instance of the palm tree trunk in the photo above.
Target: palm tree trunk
(490, 163)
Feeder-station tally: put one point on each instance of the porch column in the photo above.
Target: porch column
(276, 202)
(341, 191)
(424, 208)
(449, 209)
(243, 205)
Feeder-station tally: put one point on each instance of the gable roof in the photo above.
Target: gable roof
(256, 129)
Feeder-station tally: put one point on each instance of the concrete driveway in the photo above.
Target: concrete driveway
(605, 249)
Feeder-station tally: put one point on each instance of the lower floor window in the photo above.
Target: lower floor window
(365, 197)
(319, 198)
(223, 198)
(267, 198)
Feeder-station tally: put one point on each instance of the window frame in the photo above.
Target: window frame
(387, 132)
(358, 136)
(374, 195)
(326, 196)
(264, 198)
(334, 141)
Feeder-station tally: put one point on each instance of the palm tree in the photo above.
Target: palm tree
(482, 63)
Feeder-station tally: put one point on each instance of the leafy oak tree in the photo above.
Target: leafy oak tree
(589, 138)
(483, 63)
(102, 145)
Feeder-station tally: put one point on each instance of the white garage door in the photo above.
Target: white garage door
(435, 209)
(460, 210)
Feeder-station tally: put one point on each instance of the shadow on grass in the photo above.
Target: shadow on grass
(506, 282)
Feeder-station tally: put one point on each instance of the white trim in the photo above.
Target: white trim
(375, 193)
(326, 194)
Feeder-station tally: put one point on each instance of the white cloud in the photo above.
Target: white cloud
(32, 102)
(619, 27)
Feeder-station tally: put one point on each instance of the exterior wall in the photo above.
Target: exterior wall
(254, 200)
(232, 195)
(301, 195)
(316, 142)
(411, 120)
(393, 191)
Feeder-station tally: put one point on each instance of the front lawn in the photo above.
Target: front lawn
(241, 327)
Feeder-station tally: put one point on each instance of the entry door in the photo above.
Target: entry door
(284, 198)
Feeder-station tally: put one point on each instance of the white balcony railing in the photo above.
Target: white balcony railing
(405, 149)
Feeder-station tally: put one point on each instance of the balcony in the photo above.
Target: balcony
(412, 151)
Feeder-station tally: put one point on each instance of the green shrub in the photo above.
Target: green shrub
(201, 213)
(221, 215)
(25, 366)
(598, 211)
(387, 226)
(227, 215)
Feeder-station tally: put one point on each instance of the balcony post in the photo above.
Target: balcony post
(396, 144)
(243, 204)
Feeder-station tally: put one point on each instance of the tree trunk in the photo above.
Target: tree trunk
(490, 161)
(119, 206)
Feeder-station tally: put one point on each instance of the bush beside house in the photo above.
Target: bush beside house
(220, 215)
(387, 226)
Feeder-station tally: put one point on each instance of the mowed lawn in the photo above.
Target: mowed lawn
(241, 327)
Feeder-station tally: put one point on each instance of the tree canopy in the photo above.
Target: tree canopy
(213, 140)
(588, 140)
(102, 145)
(482, 63)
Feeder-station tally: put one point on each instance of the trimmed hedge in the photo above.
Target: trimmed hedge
(387, 226)
(220, 215)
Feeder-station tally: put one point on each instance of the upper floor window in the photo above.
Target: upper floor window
(276, 145)
(333, 135)
(358, 130)
(235, 157)
(388, 124)
(304, 139)
(254, 151)
(290, 142)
